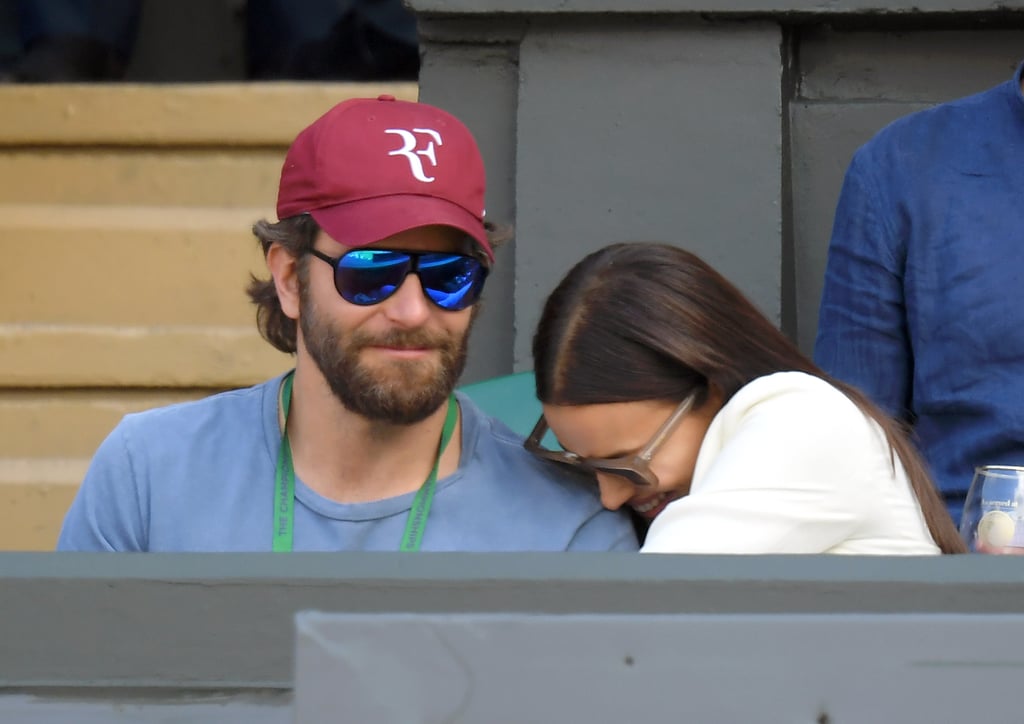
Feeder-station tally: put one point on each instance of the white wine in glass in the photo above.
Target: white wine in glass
(993, 517)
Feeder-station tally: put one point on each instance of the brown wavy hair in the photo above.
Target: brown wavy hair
(296, 234)
(650, 321)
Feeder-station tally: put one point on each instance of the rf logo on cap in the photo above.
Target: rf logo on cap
(413, 154)
(370, 168)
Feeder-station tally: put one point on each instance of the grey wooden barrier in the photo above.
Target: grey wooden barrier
(606, 669)
(723, 126)
(147, 638)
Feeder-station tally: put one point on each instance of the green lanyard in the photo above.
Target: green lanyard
(284, 483)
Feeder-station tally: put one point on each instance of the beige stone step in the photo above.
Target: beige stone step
(198, 144)
(127, 265)
(32, 356)
(71, 423)
(33, 501)
(208, 114)
(49, 439)
(130, 296)
(125, 215)
(209, 177)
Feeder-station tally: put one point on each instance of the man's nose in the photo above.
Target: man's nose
(409, 305)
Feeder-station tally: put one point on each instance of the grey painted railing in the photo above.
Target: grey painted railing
(225, 620)
(131, 635)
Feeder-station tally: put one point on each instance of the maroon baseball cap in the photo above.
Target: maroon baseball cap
(370, 168)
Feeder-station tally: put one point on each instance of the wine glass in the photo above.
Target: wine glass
(993, 517)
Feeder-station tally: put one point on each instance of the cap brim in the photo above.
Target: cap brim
(366, 221)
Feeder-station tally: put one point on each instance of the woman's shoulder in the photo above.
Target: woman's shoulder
(797, 399)
(802, 423)
(791, 386)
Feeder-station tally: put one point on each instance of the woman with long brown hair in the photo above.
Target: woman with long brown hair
(657, 375)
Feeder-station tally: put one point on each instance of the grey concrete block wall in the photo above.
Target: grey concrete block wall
(648, 149)
(489, 70)
(852, 83)
(724, 127)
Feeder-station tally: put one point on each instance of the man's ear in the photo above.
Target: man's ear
(285, 271)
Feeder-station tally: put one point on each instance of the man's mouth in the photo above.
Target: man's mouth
(402, 350)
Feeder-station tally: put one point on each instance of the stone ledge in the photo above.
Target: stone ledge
(218, 114)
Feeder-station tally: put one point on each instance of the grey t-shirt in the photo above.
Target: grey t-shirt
(199, 476)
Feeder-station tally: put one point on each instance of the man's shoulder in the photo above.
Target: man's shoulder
(943, 123)
(536, 504)
(496, 451)
(222, 412)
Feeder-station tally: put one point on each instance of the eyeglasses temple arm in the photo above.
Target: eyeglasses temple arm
(533, 441)
(663, 432)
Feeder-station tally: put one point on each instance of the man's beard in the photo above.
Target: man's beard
(401, 392)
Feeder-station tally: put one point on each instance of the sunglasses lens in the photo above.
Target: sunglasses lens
(452, 281)
(369, 276)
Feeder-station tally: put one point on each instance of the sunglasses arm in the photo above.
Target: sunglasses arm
(666, 429)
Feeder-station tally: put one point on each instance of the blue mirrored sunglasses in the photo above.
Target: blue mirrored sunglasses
(369, 276)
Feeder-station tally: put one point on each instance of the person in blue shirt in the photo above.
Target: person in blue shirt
(922, 305)
(376, 266)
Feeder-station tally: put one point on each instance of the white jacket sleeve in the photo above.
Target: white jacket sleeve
(784, 468)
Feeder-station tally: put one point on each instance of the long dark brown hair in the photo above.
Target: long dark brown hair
(649, 321)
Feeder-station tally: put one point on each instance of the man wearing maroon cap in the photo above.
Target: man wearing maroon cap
(376, 264)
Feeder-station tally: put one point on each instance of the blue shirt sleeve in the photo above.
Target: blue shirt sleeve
(862, 334)
(106, 514)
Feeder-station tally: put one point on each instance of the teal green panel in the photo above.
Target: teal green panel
(510, 398)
